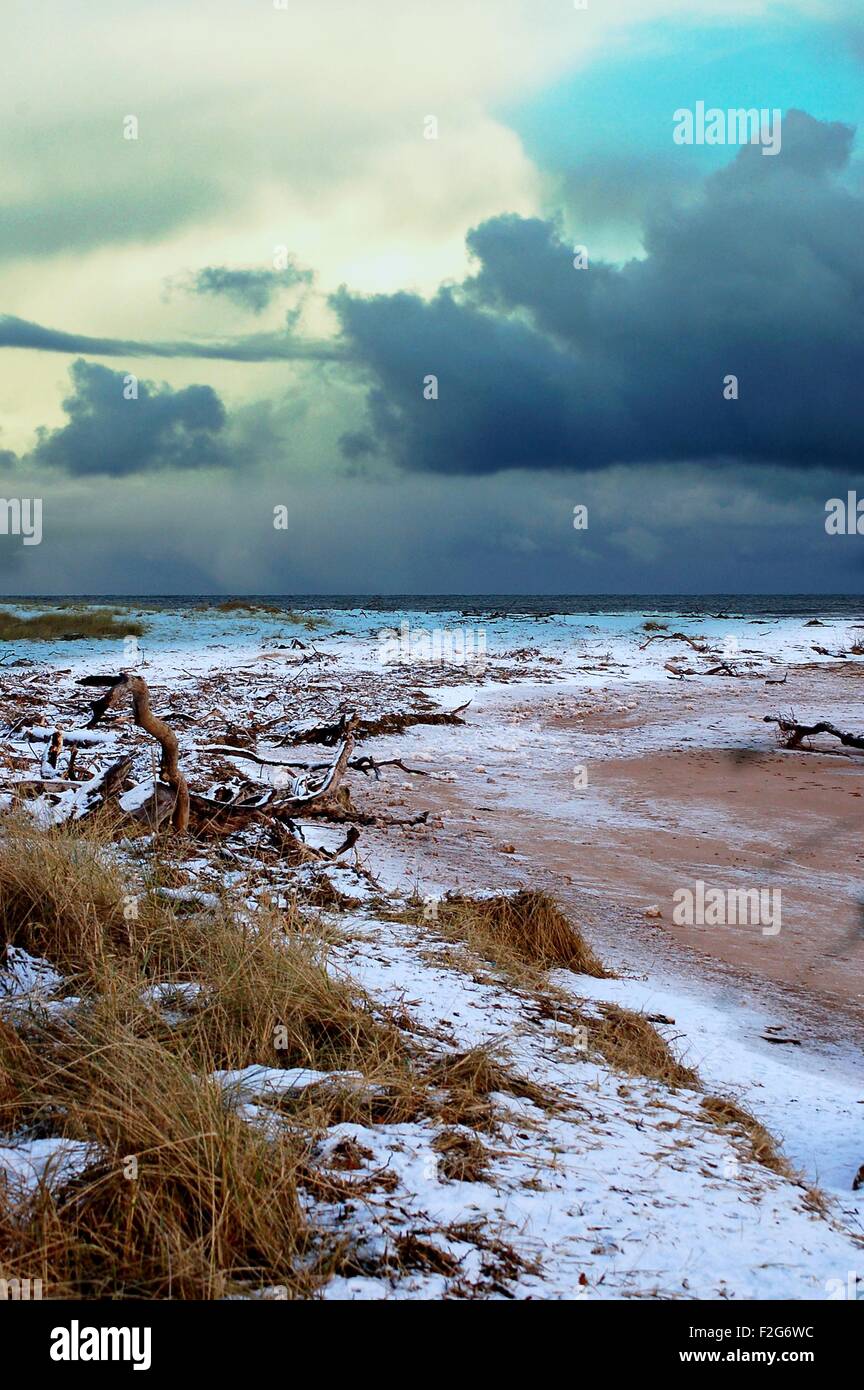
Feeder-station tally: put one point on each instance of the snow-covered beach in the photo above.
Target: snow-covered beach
(610, 759)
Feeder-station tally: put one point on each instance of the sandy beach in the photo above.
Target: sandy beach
(706, 794)
(578, 759)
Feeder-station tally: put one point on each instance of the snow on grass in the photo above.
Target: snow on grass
(623, 1190)
(53, 1162)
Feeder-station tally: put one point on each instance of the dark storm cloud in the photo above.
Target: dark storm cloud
(253, 347)
(541, 365)
(110, 433)
(252, 289)
(356, 445)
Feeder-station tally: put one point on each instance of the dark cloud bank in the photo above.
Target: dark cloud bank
(541, 365)
(108, 432)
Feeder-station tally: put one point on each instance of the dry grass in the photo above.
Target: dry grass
(66, 626)
(472, 1076)
(289, 615)
(463, 1158)
(727, 1114)
(214, 1205)
(631, 1044)
(61, 897)
(237, 605)
(469, 1079)
(15, 1063)
(518, 932)
(187, 1200)
(268, 997)
(265, 992)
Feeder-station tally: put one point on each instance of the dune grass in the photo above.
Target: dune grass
(185, 1200)
(185, 1197)
(308, 621)
(630, 1043)
(63, 898)
(518, 931)
(728, 1114)
(67, 626)
(239, 605)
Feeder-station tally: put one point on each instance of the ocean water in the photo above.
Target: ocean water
(825, 606)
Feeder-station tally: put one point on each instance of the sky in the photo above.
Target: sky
(419, 280)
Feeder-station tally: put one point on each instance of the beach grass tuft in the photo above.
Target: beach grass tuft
(69, 625)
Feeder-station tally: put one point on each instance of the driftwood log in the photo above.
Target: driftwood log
(142, 713)
(694, 642)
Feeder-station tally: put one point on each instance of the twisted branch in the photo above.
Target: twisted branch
(169, 767)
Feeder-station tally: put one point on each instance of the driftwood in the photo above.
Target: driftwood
(364, 764)
(169, 768)
(795, 732)
(72, 738)
(210, 816)
(292, 848)
(312, 789)
(675, 637)
(157, 808)
(349, 723)
(55, 748)
(111, 783)
(339, 808)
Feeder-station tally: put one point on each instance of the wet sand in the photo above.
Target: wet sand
(705, 794)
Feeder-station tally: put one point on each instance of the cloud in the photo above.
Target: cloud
(253, 347)
(355, 445)
(540, 365)
(107, 432)
(251, 289)
(121, 208)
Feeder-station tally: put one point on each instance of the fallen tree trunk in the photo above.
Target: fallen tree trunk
(796, 732)
(169, 768)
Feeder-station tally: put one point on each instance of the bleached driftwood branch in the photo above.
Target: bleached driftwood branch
(169, 769)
